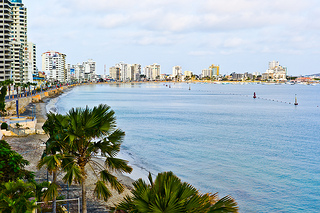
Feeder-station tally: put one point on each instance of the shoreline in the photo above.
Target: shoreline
(31, 148)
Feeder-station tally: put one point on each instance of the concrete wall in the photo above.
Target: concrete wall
(25, 101)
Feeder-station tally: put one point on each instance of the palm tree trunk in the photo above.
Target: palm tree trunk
(83, 186)
(54, 201)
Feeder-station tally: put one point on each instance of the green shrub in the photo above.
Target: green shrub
(4, 126)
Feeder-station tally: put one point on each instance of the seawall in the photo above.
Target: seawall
(25, 101)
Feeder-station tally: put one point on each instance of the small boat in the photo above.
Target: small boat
(295, 101)
(189, 87)
(254, 95)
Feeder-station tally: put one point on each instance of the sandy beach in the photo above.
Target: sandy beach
(32, 147)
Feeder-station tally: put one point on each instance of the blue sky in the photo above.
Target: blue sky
(239, 35)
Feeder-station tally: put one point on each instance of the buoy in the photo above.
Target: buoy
(295, 100)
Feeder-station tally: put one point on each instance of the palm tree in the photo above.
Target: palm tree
(17, 85)
(83, 134)
(51, 157)
(168, 194)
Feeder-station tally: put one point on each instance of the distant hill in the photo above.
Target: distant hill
(315, 75)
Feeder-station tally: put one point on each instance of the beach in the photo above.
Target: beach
(31, 148)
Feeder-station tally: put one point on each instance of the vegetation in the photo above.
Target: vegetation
(4, 125)
(17, 196)
(12, 165)
(168, 194)
(3, 92)
(78, 137)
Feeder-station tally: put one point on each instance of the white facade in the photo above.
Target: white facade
(54, 64)
(19, 34)
(133, 72)
(188, 73)
(273, 64)
(152, 72)
(32, 59)
(5, 46)
(275, 72)
(114, 73)
(89, 70)
(123, 71)
(176, 71)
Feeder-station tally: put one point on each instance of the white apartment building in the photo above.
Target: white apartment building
(32, 59)
(89, 69)
(114, 73)
(273, 64)
(188, 74)
(5, 38)
(176, 71)
(54, 64)
(19, 36)
(123, 70)
(133, 72)
(275, 72)
(152, 72)
(78, 71)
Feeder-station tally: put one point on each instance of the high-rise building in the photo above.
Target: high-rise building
(273, 64)
(32, 59)
(176, 71)
(89, 69)
(19, 36)
(188, 74)
(152, 72)
(133, 72)
(5, 38)
(78, 71)
(213, 71)
(275, 72)
(114, 73)
(123, 71)
(54, 64)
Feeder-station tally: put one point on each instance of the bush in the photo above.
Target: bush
(4, 126)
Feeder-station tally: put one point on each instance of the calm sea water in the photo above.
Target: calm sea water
(263, 152)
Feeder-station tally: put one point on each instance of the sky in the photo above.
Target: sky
(238, 35)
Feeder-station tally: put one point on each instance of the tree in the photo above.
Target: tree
(3, 92)
(12, 165)
(51, 157)
(168, 194)
(81, 135)
(16, 197)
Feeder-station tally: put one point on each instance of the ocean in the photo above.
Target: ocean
(264, 152)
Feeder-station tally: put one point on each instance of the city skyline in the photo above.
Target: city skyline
(240, 36)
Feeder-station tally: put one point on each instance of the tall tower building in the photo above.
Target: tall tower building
(123, 70)
(176, 71)
(89, 69)
(32, 60)
(152, 72)
(54, 64)
(19, 37)
(5, 46)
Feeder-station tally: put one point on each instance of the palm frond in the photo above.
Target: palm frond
(51, 192)
(117, 164)
(101, 191)
(73, 173)
(109, 178)
(225, 205)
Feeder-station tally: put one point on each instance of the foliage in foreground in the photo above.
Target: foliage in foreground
(76, 140)
(12, 165)
(168, 194)
(17, 197)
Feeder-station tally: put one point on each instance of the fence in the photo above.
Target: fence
(67, 206)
